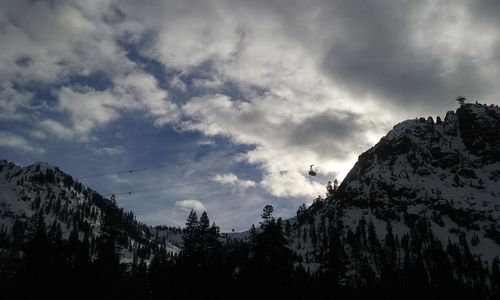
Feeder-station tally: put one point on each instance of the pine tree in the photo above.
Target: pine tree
(333, 263)
(190, 238)
(272, 260)
(329, 190)
(253, 234)
(267, 216)
(389, 259)
(208, 240)
(313, 235)
(107, 264)
(160, 272)
(495, 273)
(373, 241)
(203, 233)
(37, 259)
(301, 211)
(362, 231)
(213, 242)
(288, 230)
(18, 232)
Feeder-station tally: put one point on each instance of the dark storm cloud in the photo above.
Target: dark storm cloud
(485, 10)
(330, 132)
(375, 53)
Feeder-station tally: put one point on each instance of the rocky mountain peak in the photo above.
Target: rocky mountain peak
(446, 171)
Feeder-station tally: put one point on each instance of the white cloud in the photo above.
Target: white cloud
(191, 204)
(163, 216)
(179, 29)
(233, 180)
(11, 140)
(283, 92)
(311, 134)
(90, 109)
(54, 128)
(57, 40)
(116, 150)
(12, 102)
(39, 134)
(48, 44)
(118, 179)
(141, 89)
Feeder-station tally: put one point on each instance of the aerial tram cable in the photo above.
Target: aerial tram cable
(180, 162)
(250, 176)
(130, 192)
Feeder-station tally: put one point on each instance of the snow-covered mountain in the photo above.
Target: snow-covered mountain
(426, 181)
(70, 206)
(425, 200)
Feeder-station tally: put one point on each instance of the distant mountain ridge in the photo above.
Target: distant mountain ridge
(67, 204)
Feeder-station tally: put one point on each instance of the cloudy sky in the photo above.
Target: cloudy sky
(222, 105)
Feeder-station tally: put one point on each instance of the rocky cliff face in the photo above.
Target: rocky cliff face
(447, 171)
(442, 174)
(444, 169)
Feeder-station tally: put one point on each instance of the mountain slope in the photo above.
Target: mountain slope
(421, 207)
(426, 184)
(68, 205)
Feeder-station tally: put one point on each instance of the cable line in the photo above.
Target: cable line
(130, 192)
(180, 162)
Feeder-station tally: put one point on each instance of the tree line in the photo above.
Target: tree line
(352, 264)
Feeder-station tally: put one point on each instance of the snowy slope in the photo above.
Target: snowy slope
(444, 172)
(24, 191)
